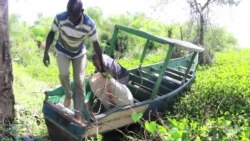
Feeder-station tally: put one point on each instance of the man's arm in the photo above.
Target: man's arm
(49, 40)
(98, 52)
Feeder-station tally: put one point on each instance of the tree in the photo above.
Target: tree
(6, 77)
(200, 13)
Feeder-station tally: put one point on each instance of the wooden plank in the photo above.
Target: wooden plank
(169, 74)
(139, 93)
(148, 83)
(142, 86)
(58, 131)
(167, 78)
(108, 126)
(178, 72)
(165, 82)
(117, 113)
(146, 88)
(65, 115)
(182, 68)
(114, 120)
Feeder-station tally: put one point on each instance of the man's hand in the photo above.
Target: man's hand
(49, 40)
(46, 59)
(106, 74)
(98, 52)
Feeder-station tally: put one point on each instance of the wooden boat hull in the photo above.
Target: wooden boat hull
(61, 126)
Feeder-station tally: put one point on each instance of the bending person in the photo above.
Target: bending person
(110, 87)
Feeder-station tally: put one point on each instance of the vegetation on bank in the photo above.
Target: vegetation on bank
(217, 107)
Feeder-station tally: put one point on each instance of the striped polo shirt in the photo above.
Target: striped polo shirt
(71, 37)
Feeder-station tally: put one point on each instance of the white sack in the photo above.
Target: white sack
(110, 91)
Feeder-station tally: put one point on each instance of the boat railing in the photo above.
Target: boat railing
(178, 43)
(172, 43)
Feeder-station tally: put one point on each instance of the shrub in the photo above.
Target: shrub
(220, 96)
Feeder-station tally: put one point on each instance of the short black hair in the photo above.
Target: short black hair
(74, 5)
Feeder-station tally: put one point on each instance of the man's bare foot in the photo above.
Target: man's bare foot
(67, 101)
(78, 116)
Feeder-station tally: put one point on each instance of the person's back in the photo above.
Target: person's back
(111, 66)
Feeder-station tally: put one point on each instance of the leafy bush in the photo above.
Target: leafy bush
(217, 106)
(220, 96)
(172, 129)
(223, 88)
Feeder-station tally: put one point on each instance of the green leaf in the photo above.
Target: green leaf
(151, 127)
(197, 138)
(136, 116)
(107, 75)
(99, 137)
(176, 134)
(173, 122)
(162, 129)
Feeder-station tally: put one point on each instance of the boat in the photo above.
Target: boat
(153, 86)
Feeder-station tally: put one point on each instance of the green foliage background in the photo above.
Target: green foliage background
(216, 108)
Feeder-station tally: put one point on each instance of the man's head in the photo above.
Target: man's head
(74, 9)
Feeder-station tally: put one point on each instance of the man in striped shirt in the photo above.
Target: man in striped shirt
(72, 26)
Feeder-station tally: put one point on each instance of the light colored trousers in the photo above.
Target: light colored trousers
(78, 65)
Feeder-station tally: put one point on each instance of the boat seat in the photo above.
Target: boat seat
(139, 93)
(154, 76)
(179, 73)
(148, 83)
(136, 101)
(168, 73)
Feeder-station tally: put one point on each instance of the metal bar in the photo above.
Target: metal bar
(113, 40)
(142, 34)
(144, 53)
(189, 67)
(164, 67)
(177, 43)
